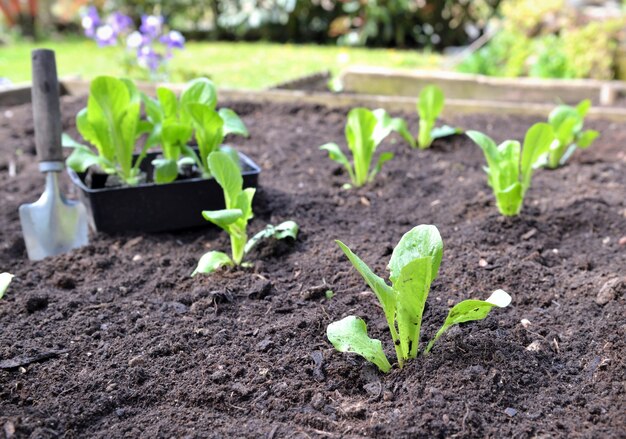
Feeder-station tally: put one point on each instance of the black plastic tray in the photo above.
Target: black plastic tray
(152, 207)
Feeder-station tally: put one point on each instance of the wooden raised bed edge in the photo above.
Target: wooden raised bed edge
(79, 87)
(395, 82)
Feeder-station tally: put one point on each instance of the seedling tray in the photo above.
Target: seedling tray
(152, 207)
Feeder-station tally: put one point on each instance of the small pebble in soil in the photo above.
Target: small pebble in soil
(354, 409)
(535, 346)
(482, 263)
(139, 359)
(510, 411)
(318, 401)
(622, 241)
(525, 323)
(610, 290)
(265, 345)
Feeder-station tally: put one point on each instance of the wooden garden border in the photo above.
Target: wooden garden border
(78, 87)
(394, 82)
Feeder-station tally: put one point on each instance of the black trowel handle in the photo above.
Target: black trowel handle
(46, 109)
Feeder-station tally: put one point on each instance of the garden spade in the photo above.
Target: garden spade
(52, 224)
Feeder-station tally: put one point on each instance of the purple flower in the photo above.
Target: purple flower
(135, 40)
(106, 36)
(148, 58)
(173, 40)
(151, 25)
(91, 21)
(119, 22)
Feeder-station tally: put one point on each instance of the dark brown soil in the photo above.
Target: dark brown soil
(116, 340)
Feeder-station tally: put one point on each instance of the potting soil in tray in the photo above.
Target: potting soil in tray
(116, 340)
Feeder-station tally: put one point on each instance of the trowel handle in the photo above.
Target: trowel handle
(46, 108)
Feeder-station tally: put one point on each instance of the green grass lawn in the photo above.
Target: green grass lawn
(233, 65)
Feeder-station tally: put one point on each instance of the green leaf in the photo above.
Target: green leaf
(5, 280)
(165, 170)
(222, 218)
(199, 91)
(360, 130)
(382, 159)
(583, 107)
(244, 202)
(232, 153)
(386, 124)
(420, 242)
(212, 261)
(335, 154)
(350, 335)
(471, 310)
(168, 102)
(536, 144)
(424, 138)
(444, 131)
(174, 135)
(412, 287)
(586, 138)
(82, 158)
(509, 200)
(287, 229)
(227, 174)
(209, 129)
(383, 292)
(232, 123)
(430, 103)
(489, 147)
(153, 109)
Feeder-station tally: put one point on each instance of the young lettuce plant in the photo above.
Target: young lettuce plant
(5, 281)
(429, 107)
(111, 123)
(365, 130)
(234, 219)
(510, 167)
(567, 123)
(176, 120)
(413, 266)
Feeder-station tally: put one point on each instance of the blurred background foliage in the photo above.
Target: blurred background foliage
(549, 39)
(540, 38)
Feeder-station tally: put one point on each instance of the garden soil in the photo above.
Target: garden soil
(117, 340)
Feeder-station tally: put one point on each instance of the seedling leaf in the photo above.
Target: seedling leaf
(212, 261)
(420, 242)
(5, 280)
(165, 170)
(227, 174)
(222, 218)
(471, 310)
(350, 335)
(232, 123)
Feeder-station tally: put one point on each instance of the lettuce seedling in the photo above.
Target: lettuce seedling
(111, 123)
(413, 266)
(176, 120)
(567, 123)
(234, 219)
(365, 130)
(5, 280)
(429, 107)
(510, 167)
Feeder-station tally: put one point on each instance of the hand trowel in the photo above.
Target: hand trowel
(51, 225)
